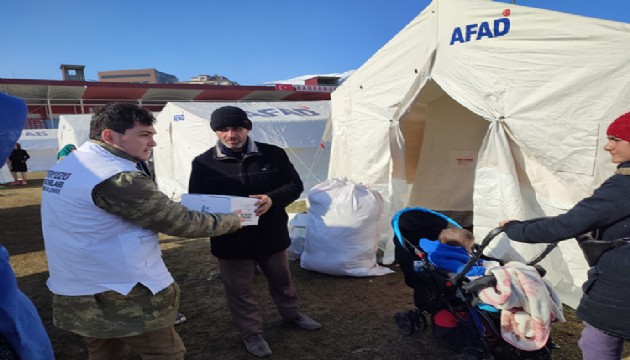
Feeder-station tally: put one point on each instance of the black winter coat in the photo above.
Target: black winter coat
(18, 159)
(264, 169)
(605, 303)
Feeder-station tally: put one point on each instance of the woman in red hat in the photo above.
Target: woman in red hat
(605, 215)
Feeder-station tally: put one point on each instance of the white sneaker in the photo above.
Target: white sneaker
(181, 318)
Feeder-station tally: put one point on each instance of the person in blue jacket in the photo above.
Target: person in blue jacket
(20, 324)
(452, 251)
(22, 334)
(605, 305)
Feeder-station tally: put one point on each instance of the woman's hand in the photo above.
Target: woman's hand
(501, 223)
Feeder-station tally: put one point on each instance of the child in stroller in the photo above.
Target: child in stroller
(459, 321)
(452, 251)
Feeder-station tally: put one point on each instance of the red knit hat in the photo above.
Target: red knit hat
(620, 128)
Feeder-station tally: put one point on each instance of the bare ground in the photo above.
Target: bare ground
(357, 313)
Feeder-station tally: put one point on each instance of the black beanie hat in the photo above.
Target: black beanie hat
(229, 116)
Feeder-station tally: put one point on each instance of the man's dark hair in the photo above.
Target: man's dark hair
(119, 117)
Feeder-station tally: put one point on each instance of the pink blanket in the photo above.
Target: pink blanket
(527, 302)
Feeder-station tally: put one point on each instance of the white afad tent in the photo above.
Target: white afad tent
(487, 111)
(41, 145)
(183, 132)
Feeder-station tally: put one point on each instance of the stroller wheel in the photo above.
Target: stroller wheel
(420, 321)
(405, 323)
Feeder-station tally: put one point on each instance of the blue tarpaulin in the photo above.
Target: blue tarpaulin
(12, 119)
(20, 324)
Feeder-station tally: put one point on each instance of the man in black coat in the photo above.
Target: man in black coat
(239, 166)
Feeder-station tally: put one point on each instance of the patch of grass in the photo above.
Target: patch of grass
(298, 206)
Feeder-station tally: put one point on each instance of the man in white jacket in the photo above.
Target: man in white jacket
(101, 215)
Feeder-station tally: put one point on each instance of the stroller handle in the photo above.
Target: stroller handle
(486, 241)
(491, 235)
(473, 259)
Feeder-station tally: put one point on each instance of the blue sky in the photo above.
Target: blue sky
(249, 41)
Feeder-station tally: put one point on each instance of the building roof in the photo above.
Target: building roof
(56, 92)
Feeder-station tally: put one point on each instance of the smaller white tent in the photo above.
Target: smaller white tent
(183, 132)
(73, 129)
(41, 145)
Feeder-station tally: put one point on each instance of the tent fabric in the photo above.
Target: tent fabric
(489, 111)
(183, 132)
(41, 145)
(73, 129)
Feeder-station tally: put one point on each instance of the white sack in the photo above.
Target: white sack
(294, 252)
(5, 175)
(297, 231)
(343, 229)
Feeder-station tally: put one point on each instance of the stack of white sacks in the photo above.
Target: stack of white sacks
(339, 234)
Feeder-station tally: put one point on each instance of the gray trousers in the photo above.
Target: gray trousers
(238, 279)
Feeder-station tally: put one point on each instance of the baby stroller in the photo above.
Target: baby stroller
(458, 322)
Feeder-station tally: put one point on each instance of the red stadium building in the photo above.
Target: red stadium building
(47, 99)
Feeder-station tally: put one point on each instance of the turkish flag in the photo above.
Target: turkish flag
(284, 87)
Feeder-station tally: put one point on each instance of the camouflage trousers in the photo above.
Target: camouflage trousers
(110, 314)
(162, 344)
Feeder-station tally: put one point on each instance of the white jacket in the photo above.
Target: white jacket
(90, 250)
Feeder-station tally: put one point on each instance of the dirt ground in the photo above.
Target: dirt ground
(357, 314)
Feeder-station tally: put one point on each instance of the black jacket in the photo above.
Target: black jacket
(18, 159)
(264, 169)
(605, 303)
